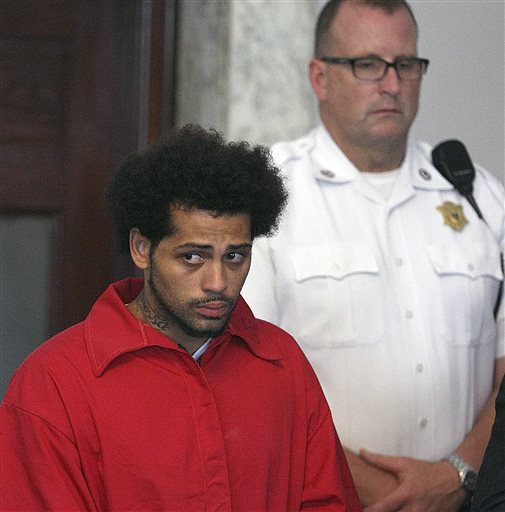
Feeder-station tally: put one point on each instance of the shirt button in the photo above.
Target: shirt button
(423, 423)
(327, 173)
(471, 268)
(419, 368)
(399, 261)
(409, 314)
(425, 174)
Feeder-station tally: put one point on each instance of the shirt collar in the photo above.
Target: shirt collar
(244, 325)
(111, 330)
(332, 165)
(419, 169)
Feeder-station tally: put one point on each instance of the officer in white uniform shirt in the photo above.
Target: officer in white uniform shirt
(384, 273)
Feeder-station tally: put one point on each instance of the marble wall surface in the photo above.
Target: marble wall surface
(242, 68)
(270, 94)
(203, 68)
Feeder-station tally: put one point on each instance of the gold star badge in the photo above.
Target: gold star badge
(453, 215)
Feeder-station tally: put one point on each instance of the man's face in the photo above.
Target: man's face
(360, 113)
(196, 274)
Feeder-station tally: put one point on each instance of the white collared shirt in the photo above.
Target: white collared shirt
(393, 308)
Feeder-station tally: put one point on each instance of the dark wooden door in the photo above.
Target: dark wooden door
(83, 83)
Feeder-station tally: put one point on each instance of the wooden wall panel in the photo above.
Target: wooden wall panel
(83, 84)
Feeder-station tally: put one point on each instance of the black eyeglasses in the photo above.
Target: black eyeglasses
(375, 68)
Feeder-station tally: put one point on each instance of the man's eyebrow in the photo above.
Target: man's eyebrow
(207, 247)
(247, 245)
(193, 245)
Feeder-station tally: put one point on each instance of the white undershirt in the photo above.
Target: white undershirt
(383, 181)
(199, 353)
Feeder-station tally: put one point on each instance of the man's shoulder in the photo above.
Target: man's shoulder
(483, 177)
(64, 344)
(287, 150)
(48, 363)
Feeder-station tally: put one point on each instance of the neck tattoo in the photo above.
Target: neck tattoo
(149, 313)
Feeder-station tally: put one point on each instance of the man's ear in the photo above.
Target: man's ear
(139, 249)
(318, 78)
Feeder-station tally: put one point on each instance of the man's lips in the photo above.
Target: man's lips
(213, 309)
(386, 111)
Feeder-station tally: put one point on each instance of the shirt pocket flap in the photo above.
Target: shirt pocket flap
(332, 260)
(482, 260)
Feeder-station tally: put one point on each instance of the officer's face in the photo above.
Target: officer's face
(364, 114)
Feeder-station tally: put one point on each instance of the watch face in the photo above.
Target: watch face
(470, 481)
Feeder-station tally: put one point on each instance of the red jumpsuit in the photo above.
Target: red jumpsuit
(112, 415)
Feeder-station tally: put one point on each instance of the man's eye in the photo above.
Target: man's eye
(192, 258)
(406, 64)
(367, 63)
(235, 257)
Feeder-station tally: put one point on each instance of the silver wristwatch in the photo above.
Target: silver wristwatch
(467, 474)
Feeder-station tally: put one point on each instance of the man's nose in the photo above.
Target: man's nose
(390, 83)
(214, 279)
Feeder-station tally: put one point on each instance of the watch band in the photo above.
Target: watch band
(467, 473)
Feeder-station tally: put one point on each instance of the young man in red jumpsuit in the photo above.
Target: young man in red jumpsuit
(171, 395)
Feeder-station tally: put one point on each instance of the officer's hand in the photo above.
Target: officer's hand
(423, 486)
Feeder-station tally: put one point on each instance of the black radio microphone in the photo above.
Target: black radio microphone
(454, 163)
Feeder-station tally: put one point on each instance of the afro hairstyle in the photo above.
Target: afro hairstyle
(195, 168)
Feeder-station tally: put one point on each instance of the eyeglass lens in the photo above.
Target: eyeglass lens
(376, 69)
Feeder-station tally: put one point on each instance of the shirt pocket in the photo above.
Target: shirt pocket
(468, 288)
(337, 290)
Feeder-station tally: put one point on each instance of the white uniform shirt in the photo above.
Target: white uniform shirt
(393, 308)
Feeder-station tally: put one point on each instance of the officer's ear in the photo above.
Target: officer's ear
(140, 249)
(318, 75)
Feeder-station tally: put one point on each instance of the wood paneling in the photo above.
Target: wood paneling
(74, 77)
